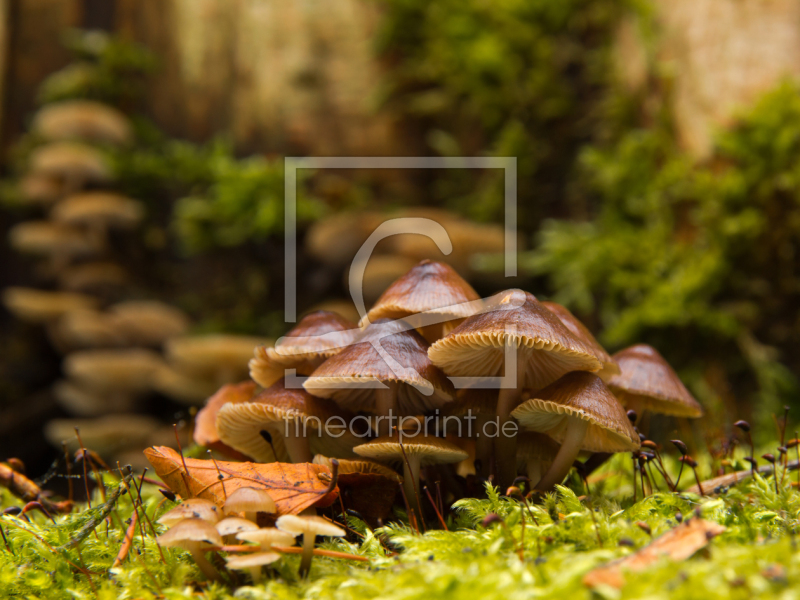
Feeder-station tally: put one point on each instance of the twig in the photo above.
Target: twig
(436, 508)
(126, 545)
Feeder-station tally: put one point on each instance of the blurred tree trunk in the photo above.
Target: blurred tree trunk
(288, 77)
(719, 56)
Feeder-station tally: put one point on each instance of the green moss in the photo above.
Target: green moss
(559, 546)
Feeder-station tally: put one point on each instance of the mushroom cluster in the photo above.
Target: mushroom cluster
(198, 526)
(441, 384)
(118, 347)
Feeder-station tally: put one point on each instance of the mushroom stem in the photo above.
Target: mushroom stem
(251, 516)
(386, 406)
(255, 574)
(483, 446)
(505, 447)
(200, 558)
(534, 471)
(296, 441)
(411, 466)
(308, 553)
(576, 431)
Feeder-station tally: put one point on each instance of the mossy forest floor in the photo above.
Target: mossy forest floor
(756, 556)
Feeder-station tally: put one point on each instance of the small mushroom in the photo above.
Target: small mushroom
(192, 508)
(73, 163)
(648, 383)
(336, 239)
(265, 538)
(318, 335)
(129, 369)
(205, 423)
(579, 412)
(395, 380)
(220, 357)
(309, 528)
(148, 322)
(430, 287)
(413, 453)
(249, 501)
(99, 211)
(230, 527)
(79, 329)
(195, 536)
(54, 240)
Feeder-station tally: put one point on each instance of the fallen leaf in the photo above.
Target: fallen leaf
(205, 429)
(293, 487)
(677, 544)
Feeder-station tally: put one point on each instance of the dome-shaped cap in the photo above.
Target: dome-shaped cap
(571, 322)
(190, 531)
(248, 499)
(476, 348)
(346, 376)
(234, 526)
(83, 120)
(357, 467)
(205, 428)
(40, 306)
(192, 508)
(431, 450)
(70, 161)
(429, 287)
(266, 537)
(317, 336)
(647, 382)
(579, 395)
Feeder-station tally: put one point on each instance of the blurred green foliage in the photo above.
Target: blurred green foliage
(701, 255)
(105, 69)
(521, 78)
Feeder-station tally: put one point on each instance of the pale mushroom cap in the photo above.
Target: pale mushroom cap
(431, 450)
(247, 499)
(345, 377)
(190, 531)
(38, 306)
(579, 395)
(308, 526)
(476, 348)
(205, 430)
(254, 559)
(571, 322)
(192, 508)
(358, 467)
(266, 537)
(46, 238)
(430, 286)
(83, 120)
(99, 208)
(648, 381)
(70, 160)
(234, 526)
(212, 353)
(149, 322)
(317, 336)
(114, 369)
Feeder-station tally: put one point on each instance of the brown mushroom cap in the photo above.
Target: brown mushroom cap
(274, 410)
(345, 377)
(358, 467)
(317, 336)
(205, 429)
(584, 396)
(70, 161)
(647, 382)
(83, 120)
(477, 347)
(430, 450)
(99, 208)
(571, 322)
(379, 273)
(430, 286)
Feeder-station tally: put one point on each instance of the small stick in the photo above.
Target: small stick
(220, 476)
(126, 545)
(436, 508)
(693, 465)
(634, 478)
(69, 470)
(85, 472)
(5, 540)
(320, 552)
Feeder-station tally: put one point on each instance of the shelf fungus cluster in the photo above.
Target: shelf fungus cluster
(436, 391)
(119, 346)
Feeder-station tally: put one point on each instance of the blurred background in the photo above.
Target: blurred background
(141, 204)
